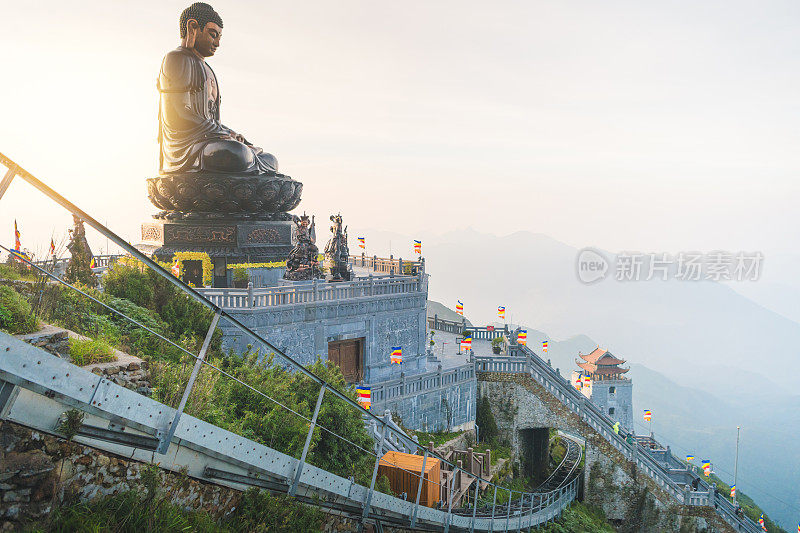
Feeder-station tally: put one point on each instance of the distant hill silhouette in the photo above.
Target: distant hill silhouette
(444, 312)
(703, 357)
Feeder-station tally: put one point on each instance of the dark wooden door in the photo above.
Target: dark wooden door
(193, 272)
(220, 272)
(348, 356)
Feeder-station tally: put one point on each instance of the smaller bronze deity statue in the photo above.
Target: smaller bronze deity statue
(303, 262)
(336, 251)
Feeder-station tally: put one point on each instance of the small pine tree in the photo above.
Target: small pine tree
(79, 267)
(485, 420)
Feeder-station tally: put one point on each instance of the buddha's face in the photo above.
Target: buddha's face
(206, 40)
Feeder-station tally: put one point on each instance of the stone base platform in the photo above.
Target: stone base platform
(226, 239)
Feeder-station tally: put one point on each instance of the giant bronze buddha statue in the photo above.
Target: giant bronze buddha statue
(204, 165)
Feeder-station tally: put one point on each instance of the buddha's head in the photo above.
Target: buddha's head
(201, 28)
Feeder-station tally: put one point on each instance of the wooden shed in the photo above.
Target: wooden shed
(401, 468)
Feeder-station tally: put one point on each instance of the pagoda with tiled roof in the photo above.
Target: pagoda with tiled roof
(601, 365)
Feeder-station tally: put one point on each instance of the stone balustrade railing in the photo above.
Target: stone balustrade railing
(524, 361)
(100, 261)
(449, 326)
(487, 333)
(390, 265)
(395, 389)
(314, 291)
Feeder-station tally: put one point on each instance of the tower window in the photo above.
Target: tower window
(611, 411)
(612, 390)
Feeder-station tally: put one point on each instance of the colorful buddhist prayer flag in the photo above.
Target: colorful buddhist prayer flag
(397, 355)
(466, 343)
(522, 337)
(648, 415)
(17, 243)
(733, 491)
(690, 457)
(176, 269)
(587, 380)
(92, 263)
(52, 247)
(501, 311)
(362, 243)
(544, 346)
(578, 382)
(364, 396)
(761, 522)
(460, 308)
(417, 247)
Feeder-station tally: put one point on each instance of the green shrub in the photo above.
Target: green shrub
(180, 314)
(17, 270)
(237, 408)
(72, 310)
(8, 271)
(241, 275)
(131, 283)
(90, 351)
(16, 315)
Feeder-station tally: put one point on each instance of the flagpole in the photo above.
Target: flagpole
(736, 465)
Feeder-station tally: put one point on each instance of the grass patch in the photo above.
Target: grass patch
(16, 315)
(580, 518)
(143, 512)
(499, 451)
(129, 512)
(90, 351)
(557, 450)
(438, 438)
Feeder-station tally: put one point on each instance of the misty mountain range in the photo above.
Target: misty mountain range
(703, 357)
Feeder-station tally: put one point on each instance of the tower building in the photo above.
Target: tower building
(606, 386)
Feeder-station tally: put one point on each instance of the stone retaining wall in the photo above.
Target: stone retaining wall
(39, 472)
(133, 375)
(630, 499)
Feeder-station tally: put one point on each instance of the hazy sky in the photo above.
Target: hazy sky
(657, 126)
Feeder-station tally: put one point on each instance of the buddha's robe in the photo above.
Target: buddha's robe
(191, 136)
